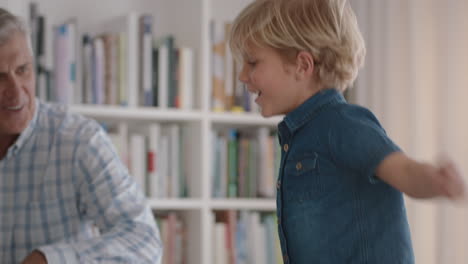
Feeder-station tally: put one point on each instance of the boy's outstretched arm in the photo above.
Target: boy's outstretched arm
(421, 180)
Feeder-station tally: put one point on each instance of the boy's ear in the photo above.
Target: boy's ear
(304, 64)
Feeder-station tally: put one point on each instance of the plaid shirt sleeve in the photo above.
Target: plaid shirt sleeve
(111, 199)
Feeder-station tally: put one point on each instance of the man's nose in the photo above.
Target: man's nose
(12, 88)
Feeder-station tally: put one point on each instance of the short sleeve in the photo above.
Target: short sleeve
(358, 142)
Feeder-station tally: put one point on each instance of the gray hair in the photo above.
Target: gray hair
(10, 24)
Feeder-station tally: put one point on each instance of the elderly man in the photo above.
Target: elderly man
(60, 178)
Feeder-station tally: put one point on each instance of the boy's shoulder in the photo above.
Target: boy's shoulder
(352, 112)
(344, 116)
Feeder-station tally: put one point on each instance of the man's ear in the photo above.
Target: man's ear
(304, 65)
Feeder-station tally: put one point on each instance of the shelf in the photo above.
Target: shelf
(175, 204)
(215, 204)
(243, 204)
(155, 114)
(244, 119)
(136, 114)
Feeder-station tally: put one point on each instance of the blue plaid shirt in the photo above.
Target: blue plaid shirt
(64, 191)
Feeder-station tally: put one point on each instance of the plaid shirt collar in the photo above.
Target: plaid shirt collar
(26, 134)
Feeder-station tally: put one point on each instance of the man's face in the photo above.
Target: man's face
(17, 82)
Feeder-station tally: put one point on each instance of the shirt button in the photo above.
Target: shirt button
(286, 147)
(298, 166)
(278, 185)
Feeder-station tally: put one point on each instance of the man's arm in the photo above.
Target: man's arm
(421, 180)
(110, 199)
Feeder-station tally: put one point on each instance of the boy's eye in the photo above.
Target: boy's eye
(252, 63)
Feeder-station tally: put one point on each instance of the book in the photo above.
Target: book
(232, 163)
(164, 48)
(99, 66)
(229, 71)
(65, 63)
(220, 255)
(146, 60)
(111, 61)
(186, 78)
(127, 25)
(87, 71)
(138, 161)
(155, 180)
(122, 69)
(174, 162)
(218, 46)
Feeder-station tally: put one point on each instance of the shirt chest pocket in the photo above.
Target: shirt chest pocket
(302, 178)
(45, 222)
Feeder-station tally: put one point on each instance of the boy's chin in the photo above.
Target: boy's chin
(263, 112)
(266, 113)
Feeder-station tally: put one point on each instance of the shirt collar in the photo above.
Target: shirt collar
(26, 134)
(311, 107)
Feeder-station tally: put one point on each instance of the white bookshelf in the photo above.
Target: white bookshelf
(188, 21)
(175, 204)
(242, 119)
(256, 204)
(118, 113)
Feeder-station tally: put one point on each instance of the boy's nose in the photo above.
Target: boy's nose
(243, 76)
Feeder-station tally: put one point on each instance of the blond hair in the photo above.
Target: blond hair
(326, 28)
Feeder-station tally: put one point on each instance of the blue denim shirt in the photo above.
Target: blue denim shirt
(331, 207)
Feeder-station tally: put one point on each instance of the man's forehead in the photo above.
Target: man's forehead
(15, 51)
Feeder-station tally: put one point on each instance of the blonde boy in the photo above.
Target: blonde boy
(340, 184)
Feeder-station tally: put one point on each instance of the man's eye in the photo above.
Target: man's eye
(252, 63)
(22, 69)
